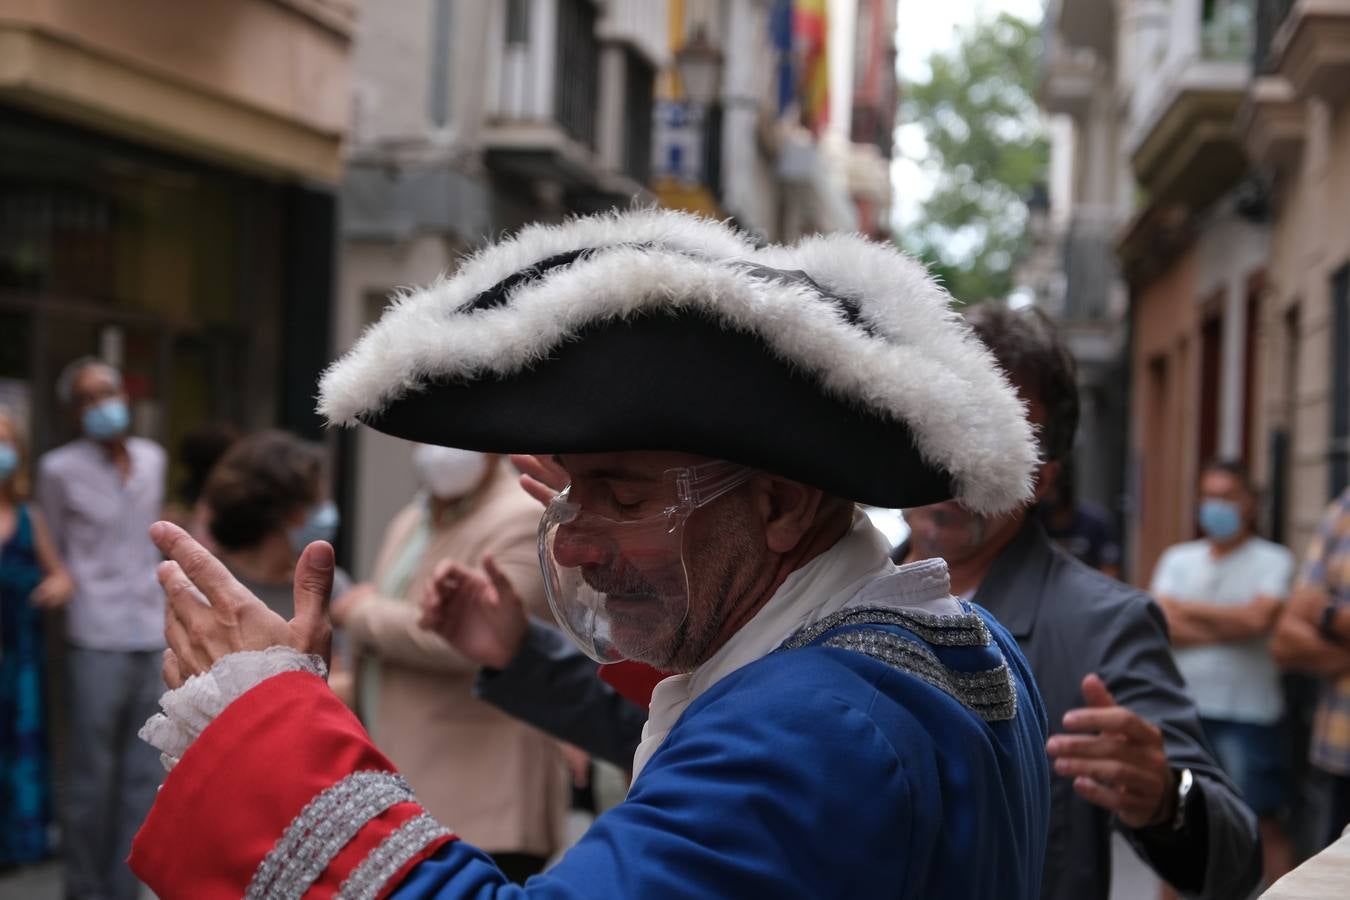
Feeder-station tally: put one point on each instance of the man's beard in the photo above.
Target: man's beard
(717, 569)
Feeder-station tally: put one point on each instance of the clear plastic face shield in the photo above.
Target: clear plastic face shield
(619, 586)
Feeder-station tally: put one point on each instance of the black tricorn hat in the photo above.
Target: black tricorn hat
(836, 362)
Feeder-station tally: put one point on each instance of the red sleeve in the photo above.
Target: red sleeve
(283, 789)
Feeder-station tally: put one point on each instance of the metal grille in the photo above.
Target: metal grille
(56, 238)
(639, 91)
(576, 76)
(1270, 15)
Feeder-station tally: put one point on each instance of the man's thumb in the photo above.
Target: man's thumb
(313, 582)
(1095, 691)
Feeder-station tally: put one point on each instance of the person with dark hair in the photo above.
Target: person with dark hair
(99, 493)
(265, 501)
(198, 452)
(1083, 529)
(830, 725)
(1221, 595)
(1133, 755)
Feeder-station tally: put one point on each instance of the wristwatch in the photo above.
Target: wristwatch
(1185, 781)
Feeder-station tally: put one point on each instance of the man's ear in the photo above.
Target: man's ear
(787, 508)
(1047, 473)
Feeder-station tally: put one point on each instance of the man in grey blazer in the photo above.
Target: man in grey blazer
(1129, 754)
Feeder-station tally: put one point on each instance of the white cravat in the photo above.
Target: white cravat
(818, 589)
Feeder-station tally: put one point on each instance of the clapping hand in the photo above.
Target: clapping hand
(209, 614)
(481, 617)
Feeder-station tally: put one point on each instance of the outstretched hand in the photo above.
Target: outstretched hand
(540, 476)
(482, 618)
(1117, 760)
(209, 614)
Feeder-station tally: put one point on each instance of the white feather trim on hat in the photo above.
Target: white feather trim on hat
(920, 364)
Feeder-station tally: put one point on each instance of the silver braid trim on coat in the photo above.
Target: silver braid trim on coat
(990, 694)
(392, 854)
(964, 630)
(321, 830)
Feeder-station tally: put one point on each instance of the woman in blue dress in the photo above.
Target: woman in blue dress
(32, 579)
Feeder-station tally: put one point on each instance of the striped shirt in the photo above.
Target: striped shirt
(1328, 567)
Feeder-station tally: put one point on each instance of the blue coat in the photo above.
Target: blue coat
(868, 763)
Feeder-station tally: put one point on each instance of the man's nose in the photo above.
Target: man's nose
(575, 545)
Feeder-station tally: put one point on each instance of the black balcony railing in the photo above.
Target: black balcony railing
(1089, 268)
(1270, 15)
(638, 101)
(576, 77)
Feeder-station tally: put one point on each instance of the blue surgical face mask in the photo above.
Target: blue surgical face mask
(320, 525)
(1220, 519)
(9, 460)
(108, 419)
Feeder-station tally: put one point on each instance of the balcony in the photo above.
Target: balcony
(1069, 79)
(1311, 49)
(1273, 122)
(571, 102)
(1186, 147)
(1084, 24)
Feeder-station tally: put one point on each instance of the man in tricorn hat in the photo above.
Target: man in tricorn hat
(836, 726)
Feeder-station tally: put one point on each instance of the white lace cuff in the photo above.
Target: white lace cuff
(188, 709)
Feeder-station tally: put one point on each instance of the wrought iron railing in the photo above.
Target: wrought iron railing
(1089, 266)
(577, 72)
(1270, 15)
(638, 101)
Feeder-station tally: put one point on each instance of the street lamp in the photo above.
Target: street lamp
(700, 65)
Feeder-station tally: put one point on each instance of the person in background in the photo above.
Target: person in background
(198, 452)
(1082, 528)
(1313, 636)
(501, 782)
(1222, 595)
(99, 493)
(263, 502)
(32, 580)
(1131, 754)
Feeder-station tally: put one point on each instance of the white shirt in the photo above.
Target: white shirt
(101, 526)
(1235, 681)
(848, 570)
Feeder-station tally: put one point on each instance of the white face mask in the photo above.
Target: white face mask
(449, 473)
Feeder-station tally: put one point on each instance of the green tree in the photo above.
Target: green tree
(985, 151)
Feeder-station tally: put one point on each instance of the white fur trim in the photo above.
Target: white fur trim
(923, 365)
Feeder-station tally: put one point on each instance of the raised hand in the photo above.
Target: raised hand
(482, 618)
(540, 476)
(1116, 759)
(209, 614)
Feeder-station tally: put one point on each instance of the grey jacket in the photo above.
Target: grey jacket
(1071, 620)
(554, 686)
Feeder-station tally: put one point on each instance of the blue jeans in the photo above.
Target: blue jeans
(1256, 758)
(111, 775)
